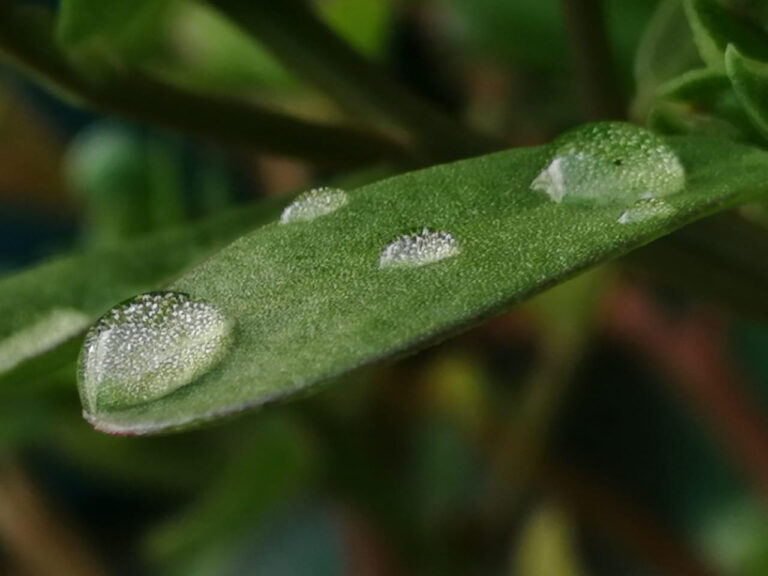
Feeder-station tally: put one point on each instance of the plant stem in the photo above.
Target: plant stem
(37, 540)
(30, 46)
(305, 44)
(593, 63)
(692, 353)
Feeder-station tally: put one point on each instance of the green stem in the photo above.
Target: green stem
(28, 44)
(306, 45)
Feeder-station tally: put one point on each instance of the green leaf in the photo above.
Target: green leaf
(212, 52)
(308, 47)
(46, 309)
(696, 85)
(127, 26)
(216, 54)
(711, 105)
(524, 31)
(666, 50)
(750, 80)
(676, 119)
(309, 301)
(715, 26)
(365, 25)
(271, 467)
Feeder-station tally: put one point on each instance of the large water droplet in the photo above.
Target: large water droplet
(148, 347)
(412, 250)
(312, 204)
(610, 163)
(43, 334)
(646, 209)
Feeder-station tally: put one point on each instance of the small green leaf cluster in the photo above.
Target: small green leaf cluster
(725, 97)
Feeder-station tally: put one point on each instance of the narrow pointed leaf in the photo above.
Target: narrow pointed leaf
(666, 49)
(81, 21)
(711, 105)
(45, 310)
(750, 80)
(309, 301)
(696, 85)
(715, 26)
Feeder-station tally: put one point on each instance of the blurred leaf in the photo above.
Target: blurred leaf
(666, 50)
(310, 542)
(546, 546)
(456, 385)
(447, 474)
(215, 53)
(294, 33)
(125, 26)
(710, 104)
(715, 26)
(270, 468)
(626, 24)
(107, 166)
(736, 538)
(45, 310)
(695, 85)
(567, 313)
(115, 89)
(311, 303)
(364, 25)
(526, 30)
(679, 119)
(172, 465)
(750, 80)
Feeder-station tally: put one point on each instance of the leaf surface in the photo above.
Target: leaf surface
(310, 302)
(46, 309)
(750, 81)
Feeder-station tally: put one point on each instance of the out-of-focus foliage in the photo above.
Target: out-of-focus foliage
(463, 459)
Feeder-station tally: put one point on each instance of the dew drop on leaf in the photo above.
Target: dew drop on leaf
(45, 333)
(312, 204)
(610, 163)
(148, 347)
(413, 250)
(646, 209)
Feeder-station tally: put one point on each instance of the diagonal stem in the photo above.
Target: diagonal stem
(28, 44)
(305, 44)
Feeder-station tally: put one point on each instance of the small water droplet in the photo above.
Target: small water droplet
(646, 209)
(148, 347)
(43, 334)
(312, 204)
(412, 250)
(610, 163)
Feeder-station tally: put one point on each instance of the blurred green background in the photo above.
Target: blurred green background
(610, 426)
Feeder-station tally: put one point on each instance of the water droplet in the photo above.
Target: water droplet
(412, 250)
(312, 204)
(646, 209)
(610, 163)
(43, 334)
(148, 347)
